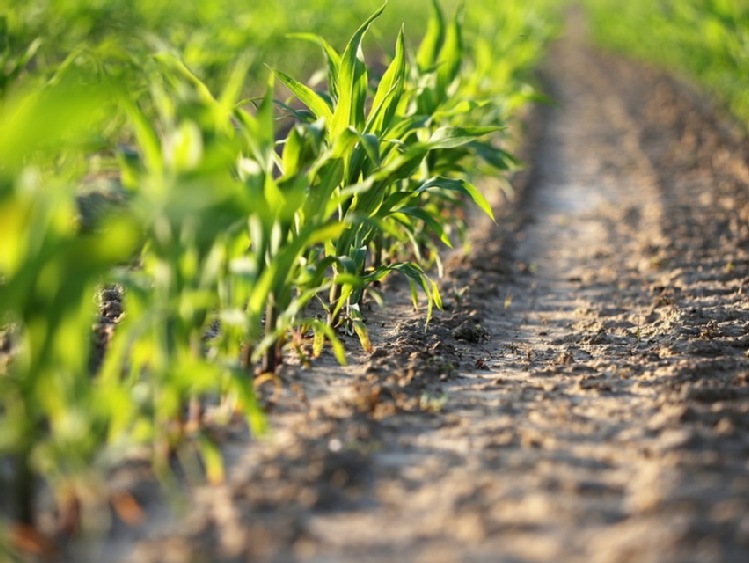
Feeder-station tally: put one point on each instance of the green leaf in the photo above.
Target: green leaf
(429, 221)
(461, 186)
(232, 91)
(214, 463)
(392, 201)
(371, 146)
(323, 330)
(451, 53)
(61, 115)
(241, 385)
(449, 137)
(323, 183)
(318, 343)
(292, 155)
(302, 147)
(345, 195)
(389, 90)
(436, 296)
(331, 231)
(306, 95)
(263, 141)
(416, 275)
(361, 331)
(352, 82)
(331, 55)
(401, 128)
(173, 63)
(426, 56)
(496, 157)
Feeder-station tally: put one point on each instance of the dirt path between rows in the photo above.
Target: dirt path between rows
(585, 397)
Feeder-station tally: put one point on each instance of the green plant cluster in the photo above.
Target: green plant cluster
(244, 226)
(707, 39)
(206, 36)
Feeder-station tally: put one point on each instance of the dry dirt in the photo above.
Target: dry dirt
(584, 397)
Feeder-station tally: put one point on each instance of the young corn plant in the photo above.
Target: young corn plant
(188, 203)
(55, 419)
(382, 151)
(271, 279)
(436, 99)
(506, 49)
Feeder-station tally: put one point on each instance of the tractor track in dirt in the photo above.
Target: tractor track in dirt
(584, 397)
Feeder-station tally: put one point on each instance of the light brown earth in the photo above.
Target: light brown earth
(585, 397)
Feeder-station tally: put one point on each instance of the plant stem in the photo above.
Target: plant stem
(246, 357)
(24, 489)
(335, 293)
(271, 358)
(378, 252)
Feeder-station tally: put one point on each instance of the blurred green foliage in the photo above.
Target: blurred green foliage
(707, 39)
(206, 36)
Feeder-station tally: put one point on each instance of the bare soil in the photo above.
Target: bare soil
(584, 397)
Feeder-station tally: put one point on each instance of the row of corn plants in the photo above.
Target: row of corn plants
(205, 36)
(232, 237)
(706, 39)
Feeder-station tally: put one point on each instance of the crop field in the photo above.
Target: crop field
(334, 281)
(706, 40)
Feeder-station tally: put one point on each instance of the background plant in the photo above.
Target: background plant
(706, 39)
(54, 419)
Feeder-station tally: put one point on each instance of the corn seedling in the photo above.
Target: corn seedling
(54, 417)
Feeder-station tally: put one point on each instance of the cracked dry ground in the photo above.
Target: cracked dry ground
(593, 360)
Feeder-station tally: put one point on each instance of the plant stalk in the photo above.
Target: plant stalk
(271, 359)
(24, 489)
